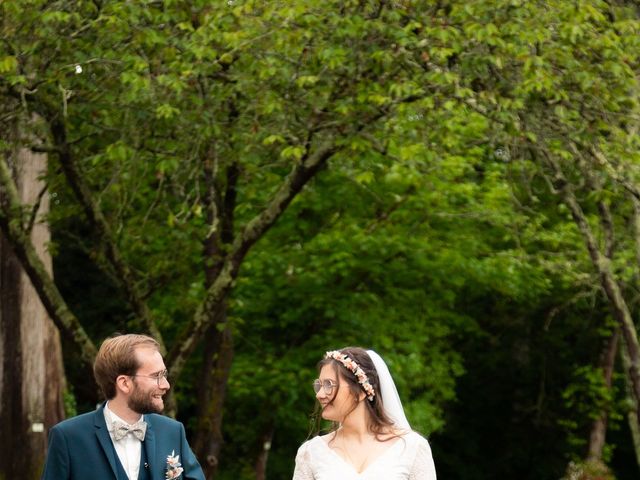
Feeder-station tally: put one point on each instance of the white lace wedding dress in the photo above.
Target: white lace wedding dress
(407, 459)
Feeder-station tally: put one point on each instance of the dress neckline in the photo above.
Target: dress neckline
(372, 463)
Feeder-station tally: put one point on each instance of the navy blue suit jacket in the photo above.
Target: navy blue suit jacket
(80, 448)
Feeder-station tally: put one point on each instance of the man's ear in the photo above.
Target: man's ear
(124, 384)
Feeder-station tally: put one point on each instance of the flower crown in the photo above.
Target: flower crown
(352, 366)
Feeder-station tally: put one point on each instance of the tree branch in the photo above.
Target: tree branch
(626, 183)
(300, 175)
(606, 220)
(56, 307)
(603, 266)
(101, 228)
(34, 210)
(636, 225)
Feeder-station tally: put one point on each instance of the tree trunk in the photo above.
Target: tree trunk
(618, 305)
(216, 294)
(610, 285)
(263, 454)
(31, 371)
(632, 414)
(218, 357)
(599, 427)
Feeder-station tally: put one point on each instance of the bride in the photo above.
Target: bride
(372, 438)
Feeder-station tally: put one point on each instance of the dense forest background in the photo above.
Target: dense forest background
(454, 184)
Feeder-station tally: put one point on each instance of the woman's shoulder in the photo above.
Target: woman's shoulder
(414, 438)
(422, 462)
(314, 442)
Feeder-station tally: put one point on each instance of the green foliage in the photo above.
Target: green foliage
(70, 406)
(588, 396)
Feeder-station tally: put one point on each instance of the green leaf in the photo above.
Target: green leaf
(294, 152)
(8, 64)
(167, 111)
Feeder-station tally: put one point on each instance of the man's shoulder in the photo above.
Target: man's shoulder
(81, 420)
(162, 420)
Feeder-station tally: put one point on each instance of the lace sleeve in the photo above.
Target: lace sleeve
(303, 465)
(423, 467)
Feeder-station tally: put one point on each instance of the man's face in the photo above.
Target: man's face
(150, 384)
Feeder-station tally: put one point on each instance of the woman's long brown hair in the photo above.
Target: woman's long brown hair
(378, 422)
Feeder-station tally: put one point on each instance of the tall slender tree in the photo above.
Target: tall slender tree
(32, 377)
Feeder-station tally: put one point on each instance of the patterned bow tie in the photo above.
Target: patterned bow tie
(120, 429)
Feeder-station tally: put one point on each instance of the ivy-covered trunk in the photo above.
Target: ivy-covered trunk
(602, 264)
(599, 427)
(632, 412)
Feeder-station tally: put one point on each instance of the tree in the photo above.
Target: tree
(568, 131)
(31, 374)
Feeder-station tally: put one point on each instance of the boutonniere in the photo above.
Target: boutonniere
(174, 468)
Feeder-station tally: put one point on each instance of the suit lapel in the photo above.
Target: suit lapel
(149, 446)
(105, 440)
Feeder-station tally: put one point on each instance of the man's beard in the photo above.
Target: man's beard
(142, 402)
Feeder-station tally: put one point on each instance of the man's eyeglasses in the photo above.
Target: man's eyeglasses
(326, 385)
(157, 376)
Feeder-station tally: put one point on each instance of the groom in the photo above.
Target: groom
(125, 438)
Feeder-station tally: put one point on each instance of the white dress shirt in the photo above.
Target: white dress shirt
(128, 448)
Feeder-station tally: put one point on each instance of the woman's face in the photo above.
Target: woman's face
(340, 402)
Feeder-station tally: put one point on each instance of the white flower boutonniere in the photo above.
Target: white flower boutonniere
(174, 468)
